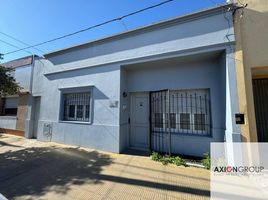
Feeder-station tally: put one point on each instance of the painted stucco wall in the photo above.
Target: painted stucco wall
(23, 77)
(208, 30)
(8, 122)
(179, 75)
(124, 110)
(99, 64)
(251, 55)
(103, 132)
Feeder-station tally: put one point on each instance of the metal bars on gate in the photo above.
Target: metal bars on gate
(174, 112)
(159, 122)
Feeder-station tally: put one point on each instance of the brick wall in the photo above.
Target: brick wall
(12, 132)
(22, 111)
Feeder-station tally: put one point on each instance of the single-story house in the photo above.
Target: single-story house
(168, 87)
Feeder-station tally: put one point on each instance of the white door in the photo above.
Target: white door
(139, 121)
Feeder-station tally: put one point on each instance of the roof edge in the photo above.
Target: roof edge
(19, 62)
(178, 19)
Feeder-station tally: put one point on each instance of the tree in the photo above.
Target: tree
(8, 85)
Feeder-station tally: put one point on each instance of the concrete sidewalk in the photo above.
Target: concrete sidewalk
(30, 169)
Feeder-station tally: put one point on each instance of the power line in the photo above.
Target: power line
(94, 26)
(14, 46)
(229, 24)
(24, 43)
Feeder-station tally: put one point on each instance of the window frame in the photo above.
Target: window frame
(207, 132)
(4, 106)
(75, 90)
(183, 130)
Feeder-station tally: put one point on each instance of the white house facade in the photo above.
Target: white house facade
(168, 87)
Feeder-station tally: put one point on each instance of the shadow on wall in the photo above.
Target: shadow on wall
(82, 72)
(34, 171)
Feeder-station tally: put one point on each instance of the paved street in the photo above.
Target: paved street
(30, 169)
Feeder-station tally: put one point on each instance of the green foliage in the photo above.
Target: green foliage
(156, 156)
(206, 161)
(8, 86)
(178, 161)
(165, 160)
(168, 159)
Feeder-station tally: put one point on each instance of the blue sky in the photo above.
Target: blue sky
(34, 21)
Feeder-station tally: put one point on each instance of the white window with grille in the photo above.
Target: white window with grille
(76, 106)
(189, 111)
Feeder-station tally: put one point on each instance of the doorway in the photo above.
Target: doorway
(37, 101)
(260, 91)
(139, 121)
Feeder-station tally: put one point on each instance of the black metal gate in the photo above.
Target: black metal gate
(160, 136)
(174, 112)
(260, 90)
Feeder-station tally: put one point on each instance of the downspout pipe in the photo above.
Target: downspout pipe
(32, 72)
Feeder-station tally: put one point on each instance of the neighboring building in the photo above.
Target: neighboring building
(14, 109)
(170, 86)
(251, 30)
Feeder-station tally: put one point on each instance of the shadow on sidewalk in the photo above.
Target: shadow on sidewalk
(34, 171)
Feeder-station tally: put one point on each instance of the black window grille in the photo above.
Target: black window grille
(184, 121)
(77, 107)
(176, 112)
(199, 122)
(172, 117)
(158, 120)
(189, 111)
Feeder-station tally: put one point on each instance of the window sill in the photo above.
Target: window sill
(193, 134)
(8, 117)
(185, 134)
(75, 122)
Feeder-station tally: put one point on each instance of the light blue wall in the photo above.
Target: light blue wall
(208, 30)
(180, 74)
(103, 132)
(8, 122)
(101, 65)
(23, 77)
(124, 111)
